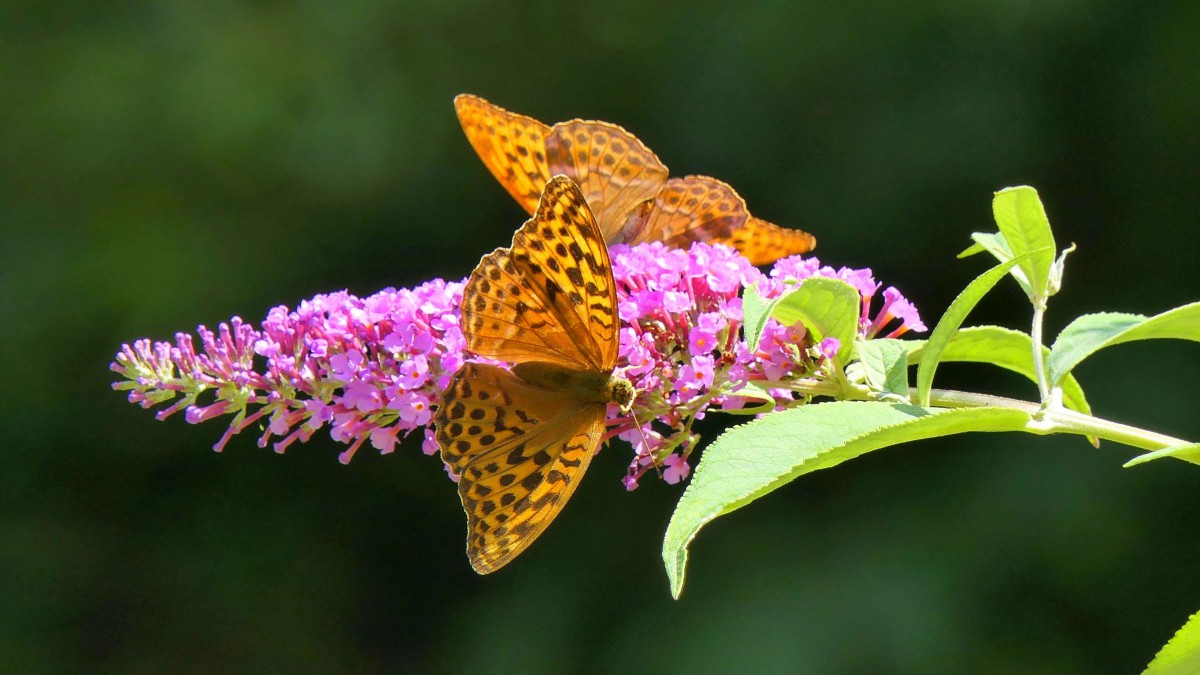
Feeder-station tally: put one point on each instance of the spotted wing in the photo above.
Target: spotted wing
(551, 297)
(615, 170)
(512, 146)
(692, 208)
(519, 451)
(764, 243)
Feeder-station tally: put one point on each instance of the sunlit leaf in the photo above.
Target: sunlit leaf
(828, 308)
(950, 322)
(753, 459)
(1092, 332)
(1188, 453)
(755, 312)
(1022, 220)
(886, 365)
(1180, 656)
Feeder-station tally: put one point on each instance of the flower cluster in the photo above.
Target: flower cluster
(371, 368)
(681, 343)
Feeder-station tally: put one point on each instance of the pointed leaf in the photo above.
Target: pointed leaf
(992, 242)
(973, 249)
(1022, 220)
(753, 459)
(886, 364)
(950, 322)
(826, 307)
(1180, 656)
(1092, 332)
(1058, 269)
(755, 311)
(1188, 453)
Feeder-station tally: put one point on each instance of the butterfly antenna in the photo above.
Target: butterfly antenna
(645, 441)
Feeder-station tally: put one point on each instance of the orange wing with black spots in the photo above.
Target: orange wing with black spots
(615, 170)
(551, 296)
(692, 208)
(763, 243)
(519, 451)
(512, 147)
(623, 181)
(520, 440)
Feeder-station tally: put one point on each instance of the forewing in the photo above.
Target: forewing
(615, 170)
(764, 243)
(512, 146)
(692, 208)
(551, 297)
(519, 451)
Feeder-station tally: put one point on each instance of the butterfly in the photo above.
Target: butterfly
(625, 184)
(520, 440)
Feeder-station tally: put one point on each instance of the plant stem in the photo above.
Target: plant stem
(1051, 419)
(1039, 366)
(1059, 420)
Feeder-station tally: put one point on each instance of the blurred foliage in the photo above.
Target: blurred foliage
(171, 163)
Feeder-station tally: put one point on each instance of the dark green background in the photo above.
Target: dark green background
(170, 163)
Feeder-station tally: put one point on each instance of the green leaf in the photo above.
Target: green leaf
(755, 311)
(1022, 220)
(950, 322)
(1092, 332)
(753, 459)
(826, 307)
(1180, 656)
(1004, 348)
(1058, 270)
(1188, 453)
(973, 249)
(992, 242)
(886, 364)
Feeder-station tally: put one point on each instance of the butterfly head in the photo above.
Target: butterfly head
(620, 391)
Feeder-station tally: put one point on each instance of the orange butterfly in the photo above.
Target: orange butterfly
(623, 181)
(520, 440)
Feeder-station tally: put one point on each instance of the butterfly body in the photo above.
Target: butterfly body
(627, 187)
(521, 439)
(588, 385)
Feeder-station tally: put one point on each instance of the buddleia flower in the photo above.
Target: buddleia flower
(370, 370)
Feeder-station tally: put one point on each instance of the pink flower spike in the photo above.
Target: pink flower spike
(371, 369)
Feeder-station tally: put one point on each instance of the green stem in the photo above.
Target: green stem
(1059, 420)
(1039, 313)
(1046, 419)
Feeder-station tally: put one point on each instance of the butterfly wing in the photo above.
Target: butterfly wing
(551, 296)
(692, 208)
(519, 451)
(615, 170)
(512, 147)
(622, 180)
(763, 243)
